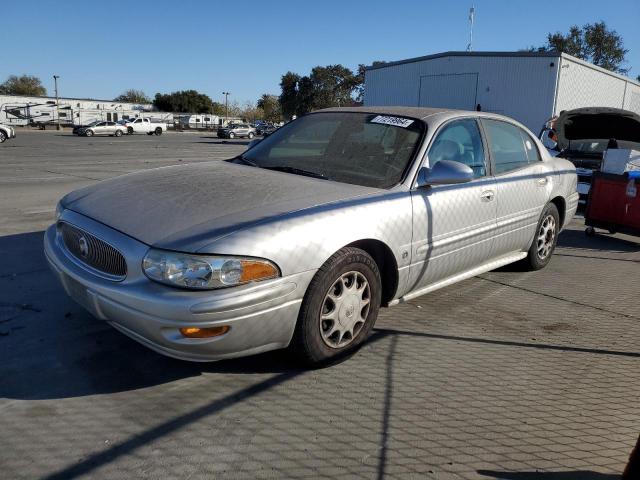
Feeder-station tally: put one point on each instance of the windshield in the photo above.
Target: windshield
(358, 148)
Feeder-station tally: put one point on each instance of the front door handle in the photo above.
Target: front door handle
(487, 195)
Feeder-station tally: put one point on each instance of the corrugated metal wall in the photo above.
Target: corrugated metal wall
(520, 87)
(584, 85)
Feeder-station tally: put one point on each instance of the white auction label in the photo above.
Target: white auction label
(396, 121)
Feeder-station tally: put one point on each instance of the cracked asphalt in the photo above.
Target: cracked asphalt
(509, 375)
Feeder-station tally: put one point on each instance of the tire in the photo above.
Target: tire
(590, 232)
(118, 133)
(250, 135)
(3, 136)
(88, 133)
(232, 135)
(545, 239)
(347, 288)
(158, 131)
(130, 130)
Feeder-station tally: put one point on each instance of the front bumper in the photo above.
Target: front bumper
(262, 316)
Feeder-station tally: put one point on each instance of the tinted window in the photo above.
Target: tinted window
(507, 146)
(529, 145)
(358, 148)
(459, 141)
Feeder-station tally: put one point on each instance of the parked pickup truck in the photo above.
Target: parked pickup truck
(144, 125)
(6, 132)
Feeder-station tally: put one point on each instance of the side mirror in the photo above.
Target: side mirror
(253, 143)
(445, 172)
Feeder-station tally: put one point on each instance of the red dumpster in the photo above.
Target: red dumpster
(614, 203)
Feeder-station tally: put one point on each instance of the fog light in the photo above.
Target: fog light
(206, 332)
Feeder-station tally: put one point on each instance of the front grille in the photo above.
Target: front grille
(92, 251)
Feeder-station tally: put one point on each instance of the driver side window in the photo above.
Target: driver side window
(460, 141)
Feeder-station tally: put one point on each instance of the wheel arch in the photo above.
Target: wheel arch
(387, 264)
(561, 205)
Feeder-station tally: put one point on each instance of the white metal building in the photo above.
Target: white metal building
(25, 110)
(530, 87)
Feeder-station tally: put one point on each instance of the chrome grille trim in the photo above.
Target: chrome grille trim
(100, 257)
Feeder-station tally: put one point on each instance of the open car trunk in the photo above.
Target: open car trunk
(597, 123)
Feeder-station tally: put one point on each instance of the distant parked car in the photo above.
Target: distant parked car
(6, 132)
(103, 128)
(81, 128)
(144, 125)
(302, 238)
(266, 129)
(582, 136)
(238, 130)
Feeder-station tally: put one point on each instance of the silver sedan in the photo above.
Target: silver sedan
(299, 241)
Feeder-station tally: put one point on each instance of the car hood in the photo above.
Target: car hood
(595, 123)
(186, 207)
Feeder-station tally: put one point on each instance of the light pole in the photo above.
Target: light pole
(226, 106)
(55, 82)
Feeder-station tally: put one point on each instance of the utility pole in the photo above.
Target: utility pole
(55, 82)
(226, 106)
(472, 15)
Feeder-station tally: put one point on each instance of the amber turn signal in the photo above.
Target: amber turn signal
(205, 332)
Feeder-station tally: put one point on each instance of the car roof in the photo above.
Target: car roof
(422, 113)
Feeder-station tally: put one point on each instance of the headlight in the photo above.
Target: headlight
(204, 272)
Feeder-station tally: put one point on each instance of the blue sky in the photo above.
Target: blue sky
(100, 49)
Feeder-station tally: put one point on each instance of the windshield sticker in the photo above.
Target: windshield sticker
(395, 121)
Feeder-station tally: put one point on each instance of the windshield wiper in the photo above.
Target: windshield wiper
(246, 161)
(297, 171)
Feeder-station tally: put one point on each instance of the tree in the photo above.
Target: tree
(270, 107)
(289, 94)
(185, 101)
(593, 42)
(23, 85)
(133, 96)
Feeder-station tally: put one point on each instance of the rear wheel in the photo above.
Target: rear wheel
(545, 240)
(130, 130)
(3, 136)
(158, 131)
(232, 135)
(118, 133)
(339, 308)
(88, 133)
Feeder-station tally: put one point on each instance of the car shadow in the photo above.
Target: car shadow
(534, 475)
(52, 348)
(602, 241)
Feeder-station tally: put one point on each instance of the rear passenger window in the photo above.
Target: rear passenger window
(529, 145)
(507, 146)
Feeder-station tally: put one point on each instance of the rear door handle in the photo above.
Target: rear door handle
(487, 195)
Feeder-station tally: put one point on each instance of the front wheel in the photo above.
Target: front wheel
(88, 133)
(232, 135)
(545, 240)
(158, 131)
(3, 136)
(130, 130)
(251, 135)
(339, 308)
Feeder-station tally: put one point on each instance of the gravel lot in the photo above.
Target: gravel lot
(510, 375)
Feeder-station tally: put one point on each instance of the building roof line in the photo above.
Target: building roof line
(552, 54)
